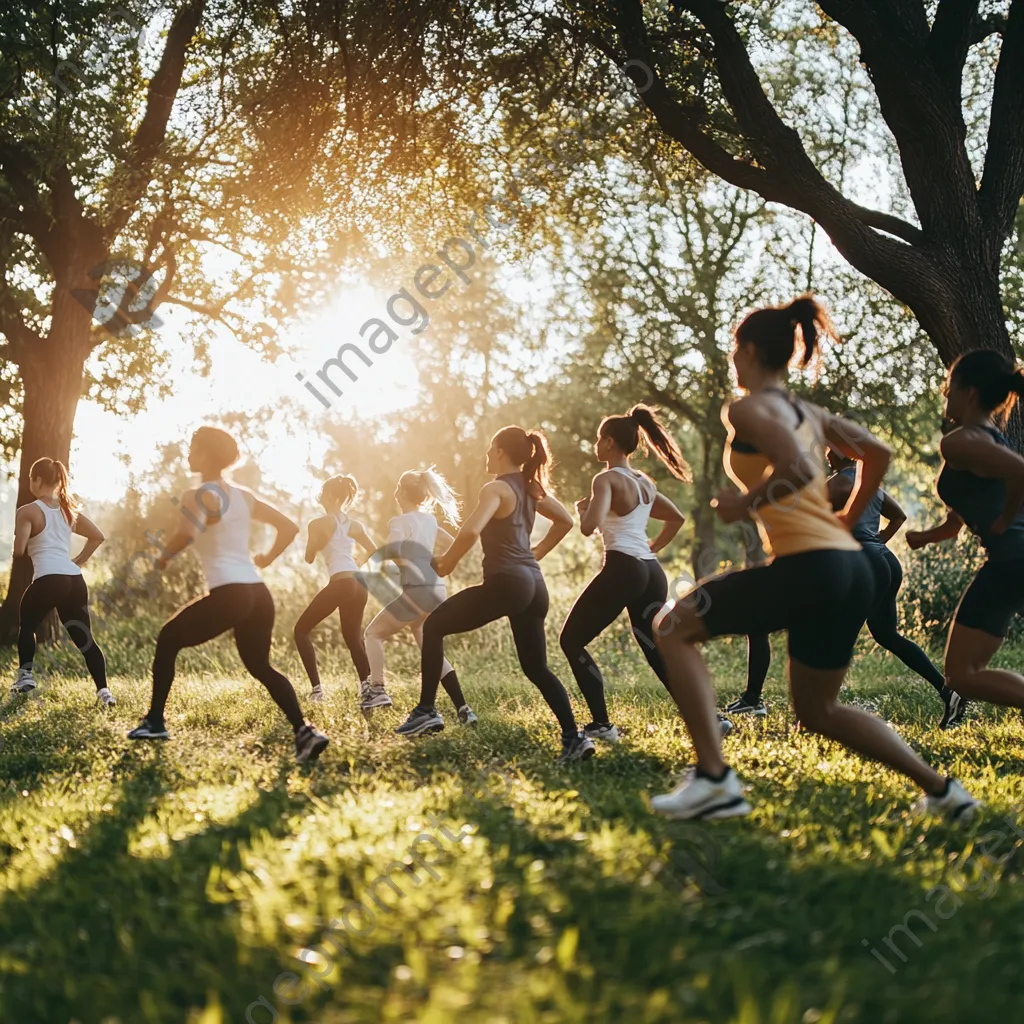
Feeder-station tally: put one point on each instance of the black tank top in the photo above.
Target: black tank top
(867, 528)
(979, 501)
(506, 542)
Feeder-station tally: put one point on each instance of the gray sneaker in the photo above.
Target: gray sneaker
(576, 748)
(420, 722)
(607, 733)
(374, 696)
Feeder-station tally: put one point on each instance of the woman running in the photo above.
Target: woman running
(412, 541)
(216, 518)
(513, 586)
(883, 621)
(819, 586)
(982, 484)
(43, 530)
(759, 660)
(334, 536)
(621, 502)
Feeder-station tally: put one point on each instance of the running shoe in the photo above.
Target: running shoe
(106, 698)
(316, 695)
(956, 805)
(24, 682)
(420, 722)
(309, 744)
(725, 725)
(576, 748)
(374, 696)
(146, 730)
(607, 733)
(951, 713)
(467, 716)
(741, 706)
(700, 797)
(961, 712)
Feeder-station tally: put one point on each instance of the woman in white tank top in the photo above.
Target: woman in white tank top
(334, 537)
(414, 538)
(216, 519)
(622, 501)
(42, 530)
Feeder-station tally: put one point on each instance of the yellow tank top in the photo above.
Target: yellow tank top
(794, 521)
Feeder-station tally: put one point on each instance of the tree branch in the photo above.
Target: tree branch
(950, 39)
(133, 180)
(1002, 183)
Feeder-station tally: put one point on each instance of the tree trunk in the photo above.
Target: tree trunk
(52, 382)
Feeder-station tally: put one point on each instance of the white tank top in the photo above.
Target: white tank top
(50, 549)
(628, 533)
(415, 533)
(337, 551)
(223, 546)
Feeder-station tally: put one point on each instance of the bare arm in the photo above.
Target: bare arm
(86, 528)
(362, 537)
(946, 530)
(853, 441)
(665, 512)
(594, 511)
(561, 523)
(840, 487)
(894, 515)
(317, 535)
(287, 530)
(487, 505)
(185, 534)
(23, 522)
(976, 451)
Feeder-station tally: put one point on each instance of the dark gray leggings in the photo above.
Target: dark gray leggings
(519, 594)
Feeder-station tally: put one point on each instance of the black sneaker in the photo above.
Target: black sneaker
(146, 730)
(420, 722)
(961, 712)
(309, 744)
(742, 706)
(953, 712)
(576, 748)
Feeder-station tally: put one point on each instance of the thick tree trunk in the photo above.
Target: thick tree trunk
(52, 382)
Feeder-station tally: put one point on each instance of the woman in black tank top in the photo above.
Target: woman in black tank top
(982, 483)
(513, 586)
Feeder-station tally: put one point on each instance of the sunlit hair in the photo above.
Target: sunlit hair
(341, 489)
(773, 331)
(428, 488)
(529, 449)
(53, 473)
(640, 428)
(216, 444)
(998, 379)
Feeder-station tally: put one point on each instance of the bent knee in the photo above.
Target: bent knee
(677, 625)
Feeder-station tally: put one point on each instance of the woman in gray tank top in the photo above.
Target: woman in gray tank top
(513, 586)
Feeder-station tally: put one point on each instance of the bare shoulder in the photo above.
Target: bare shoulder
(961, 441)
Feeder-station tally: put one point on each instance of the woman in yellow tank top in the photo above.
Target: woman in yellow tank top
(818, 585)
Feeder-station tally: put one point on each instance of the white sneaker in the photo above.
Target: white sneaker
(608, 733)
(25, 682)
(700, 797)
(316, 695)
(106, 698)
(957, 805)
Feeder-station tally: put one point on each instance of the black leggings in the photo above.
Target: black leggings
(518, 594)
(70, 597)
(883, 622)
(347, 595)
(248, 609)
(636, 585)
(759, 658)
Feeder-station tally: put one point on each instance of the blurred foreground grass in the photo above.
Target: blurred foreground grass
(176, 882)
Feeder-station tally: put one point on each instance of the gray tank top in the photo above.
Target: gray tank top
(506, 542)
(869, 524)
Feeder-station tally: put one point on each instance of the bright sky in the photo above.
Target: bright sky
(241, 381)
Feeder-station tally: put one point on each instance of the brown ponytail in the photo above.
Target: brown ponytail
(997, 378)
(54, 474)
(344, 488)
(640, 428)
(773, 331)
(529, 449)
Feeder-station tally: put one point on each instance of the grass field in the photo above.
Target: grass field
(177, 882)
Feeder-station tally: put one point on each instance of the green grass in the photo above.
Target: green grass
(175, 882)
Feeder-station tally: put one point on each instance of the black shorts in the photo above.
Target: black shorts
(820, 598)
(995, 595)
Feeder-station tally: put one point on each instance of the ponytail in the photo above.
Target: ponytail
(997, 378)
(773, 331)
(640, 428)
(529, 449)
(430, 487)
(54, 474)
(343, 487)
